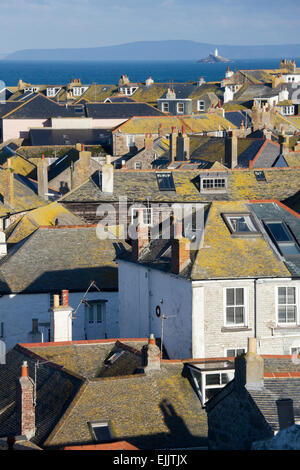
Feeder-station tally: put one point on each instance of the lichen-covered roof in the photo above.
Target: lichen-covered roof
(149, 124)
(61, 257)
(46, 215)
(216, 258)
(140, 185)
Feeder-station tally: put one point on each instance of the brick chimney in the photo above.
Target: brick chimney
(152, 355)
(27, 403)
(160, 130)
(285, 412)
(181, 250)
(231, 149)
(61, 319)
(249, 369)
(108, 176)
(142, 238)
(42, 176)
(148, 142)
(8, 185)
(173, 144)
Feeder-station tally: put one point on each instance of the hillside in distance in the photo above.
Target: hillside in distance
(158, 50)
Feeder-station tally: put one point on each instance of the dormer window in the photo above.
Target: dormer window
(213, 184)
(241, 225)
(201, 105)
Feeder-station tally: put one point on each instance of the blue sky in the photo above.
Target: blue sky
(31, 24)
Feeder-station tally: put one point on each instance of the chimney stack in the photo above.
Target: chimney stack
(82, 167)
(160, 130)
(173, 144)
(231, 149)
(61, 319)
(27, 403)
(249, 369)
(153, 355)
(148, 142)
(108, 176)
(142, 238)
(8, 185)
(42, 176)
(183, 146)
(181, 250)
(285, 412)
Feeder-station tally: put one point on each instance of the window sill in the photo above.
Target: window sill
(287, 327)
(234, 329)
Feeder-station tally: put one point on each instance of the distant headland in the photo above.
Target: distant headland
(213, 58)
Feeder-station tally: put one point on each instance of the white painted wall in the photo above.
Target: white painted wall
(140, 292)
(17, 312)
(72, 123)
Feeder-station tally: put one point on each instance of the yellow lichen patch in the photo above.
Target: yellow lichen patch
(151, 125)
(207, 123)
(29, 222)
(225, 256)
(21, 166)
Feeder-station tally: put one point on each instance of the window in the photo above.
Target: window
(147, 215)
(240, 223)
(235, 352)
(295, 351)
(209, 382)
(286, 305)
(165, 181)
(235, 306)
(165, 107)
(201, 105)
(288, 110)
(180, 108)
(101, 431)
(95, 311)
(211, 184)
(260, 175)
(283, 238)
(138, 165)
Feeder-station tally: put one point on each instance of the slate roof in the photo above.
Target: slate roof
(268, 156)
(55, 391)
(40, 107)
(182, 90)
(237, 117)
(60, 257)
(275, 211)
(217, 255)
(280, 183)
(48, 136)
(120, 110)
(155, 411)
(25, 193)
(250, 92)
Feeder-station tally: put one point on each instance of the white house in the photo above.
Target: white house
(242, 281)
(50, 260)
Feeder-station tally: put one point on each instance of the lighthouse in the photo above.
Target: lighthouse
(216, 53)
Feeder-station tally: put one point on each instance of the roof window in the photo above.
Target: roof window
(165, 181)
(283, 238)
(101, 431)
(260, 175)
(241, 224)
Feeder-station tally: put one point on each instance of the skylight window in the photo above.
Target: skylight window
(241, 224)
(283, 238)
(260, 175)
(165, 181)
(101, 431)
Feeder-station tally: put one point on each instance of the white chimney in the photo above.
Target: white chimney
(108, 176)
(61, 319)
(3, 245)
(284, 95)
(149, 81)
(153, 355)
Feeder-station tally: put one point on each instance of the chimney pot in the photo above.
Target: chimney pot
(153, 355)
(65, 298)
(151, 339)
(24, 369)
(55, 301)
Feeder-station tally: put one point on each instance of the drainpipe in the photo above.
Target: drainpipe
(255, 308)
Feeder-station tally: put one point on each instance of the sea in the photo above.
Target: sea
(109, 72)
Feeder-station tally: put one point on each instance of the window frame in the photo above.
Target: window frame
(286, 324)
(235, 349)
(214, 188)
(246, 234)
(278, 244)
(100, 423)
(200, 104)
(93, 319)
(143, 209)
(165, 104)
(246, 321)
(180, 103)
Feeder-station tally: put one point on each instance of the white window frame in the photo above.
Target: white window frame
(130, 140)
(145, 220)
(246, 306)
(138, 165)
(164, 105)
(94, 319)
(201, 105)
(181, 103)
(235, 351)
(214, 188)
(99, 424)
(287, 324)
